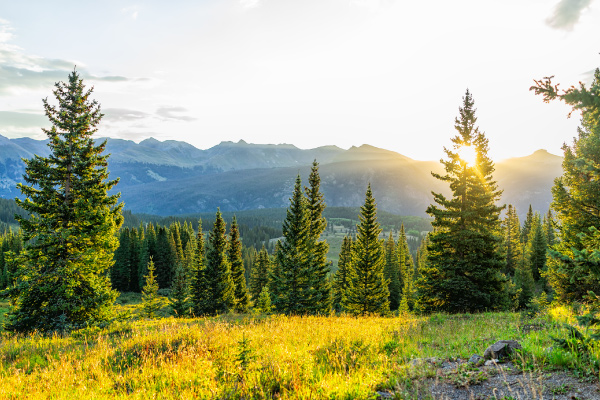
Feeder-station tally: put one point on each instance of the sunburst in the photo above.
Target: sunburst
(468, 154)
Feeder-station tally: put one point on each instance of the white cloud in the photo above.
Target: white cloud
(567, 13)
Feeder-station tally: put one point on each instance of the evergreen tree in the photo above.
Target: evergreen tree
(238, 274)
(407, 271)
(136, 238)
(549, 229)
(148, 251)
(340, 282)
(391, 273)
(263, 303)
(63, 279)
(260, 274)
(291, 281)
(199, 289)
(367, 291)
(527, 225)
(537, 248)
(512, 247)
(166, 257)
(574, 267)
(524, 282)
(218, 270)
(422, 255)
(175, 233)
(180, 299)
(119, 273)
(463, 271)
(150, 301)
(319, 267)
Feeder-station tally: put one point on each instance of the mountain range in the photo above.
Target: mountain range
(174, 177)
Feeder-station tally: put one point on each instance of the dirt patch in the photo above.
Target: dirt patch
(461, 381)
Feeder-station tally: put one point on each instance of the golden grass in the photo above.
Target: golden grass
(235, 357)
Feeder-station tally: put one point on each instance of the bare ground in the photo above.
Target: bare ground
(459, 381)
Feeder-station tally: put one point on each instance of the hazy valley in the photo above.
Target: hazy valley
(173, 177)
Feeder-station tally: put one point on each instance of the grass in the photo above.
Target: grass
(258, 357)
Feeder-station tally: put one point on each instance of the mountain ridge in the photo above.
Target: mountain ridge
(174, 177)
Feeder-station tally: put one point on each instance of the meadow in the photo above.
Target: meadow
(268, 356)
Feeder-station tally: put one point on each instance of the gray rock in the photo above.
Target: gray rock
(385, 395)
(501, 349)
(491, 362)
(475, 359)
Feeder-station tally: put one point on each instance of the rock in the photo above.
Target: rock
(501, 349)
(491, 362)
(385, 395)
(475, 359)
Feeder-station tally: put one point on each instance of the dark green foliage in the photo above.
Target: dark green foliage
(199, 290)
(62, 281)
(119, 273)
(319, 267)
(340, 280)
(537, 248)
(260, 274)
(238, 273)
(150, 301)
(524, 283)
(175, 232)
(221, 296)
(367, 290)
(148, 251)
(166, 257)
(407, 271)
(573, 268)
(527, 225)
(463, 269)
(180, 299)
(290, 280)
(392, 272)
(512, 247)
(549, 229)
(11, 245)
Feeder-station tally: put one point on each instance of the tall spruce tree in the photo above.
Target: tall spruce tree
(238, 273)
(340, 279)
(549, 229)
(574, 265)
(511, 246)
(367, 290)
(291, 280)
(537, 248)
(320, 288)
(62, 281)
(463, 271)
(392, 272)
(199, 289)
(260, 274)
(527, 225)
(218, 270)
(150, 301)
(120, 271)
(407, 271)
(180, 289)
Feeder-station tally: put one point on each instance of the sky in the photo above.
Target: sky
(389, 73)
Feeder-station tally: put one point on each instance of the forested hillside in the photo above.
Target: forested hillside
(170, 178)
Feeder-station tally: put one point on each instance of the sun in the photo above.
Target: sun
(468, 154)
